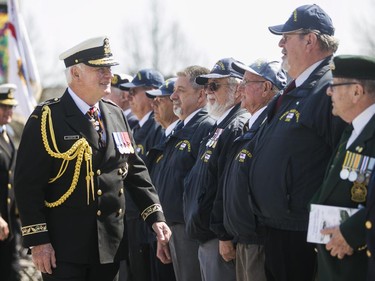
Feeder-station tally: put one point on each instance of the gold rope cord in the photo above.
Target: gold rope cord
(80, 150)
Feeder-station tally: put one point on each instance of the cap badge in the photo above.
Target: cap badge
(114, 79)
(219, 65)
(10, 95)
(139, 76)
(295, 15)
(107, 49)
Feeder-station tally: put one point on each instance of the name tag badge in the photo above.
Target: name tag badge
(73, 137)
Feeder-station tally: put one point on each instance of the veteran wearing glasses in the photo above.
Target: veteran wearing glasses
(261, 82)
(295, 143)
(346, 184)
(216, 250)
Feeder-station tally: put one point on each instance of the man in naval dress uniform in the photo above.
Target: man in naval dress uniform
(75, 158)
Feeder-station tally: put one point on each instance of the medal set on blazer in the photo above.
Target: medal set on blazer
(357, 168)
(123, 143)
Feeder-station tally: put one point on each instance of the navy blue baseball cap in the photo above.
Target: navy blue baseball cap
(306, 17)
(165, 90)
(145, 78)
(222, 69)
(268, 70)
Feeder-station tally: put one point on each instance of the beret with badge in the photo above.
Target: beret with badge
(354, 66)
(94, 52)
(6, 94)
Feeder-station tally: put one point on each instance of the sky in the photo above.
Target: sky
(214, 28)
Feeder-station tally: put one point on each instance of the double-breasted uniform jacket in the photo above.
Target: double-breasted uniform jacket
(7, 202)
(370, 226)
(85, 223)
(338, 192)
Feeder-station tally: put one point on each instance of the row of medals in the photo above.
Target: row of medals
(357, 169)
(123, 142)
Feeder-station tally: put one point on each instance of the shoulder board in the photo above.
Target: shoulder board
(49, 102)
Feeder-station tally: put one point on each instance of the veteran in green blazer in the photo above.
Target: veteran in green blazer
(76, 158)
(346, 182)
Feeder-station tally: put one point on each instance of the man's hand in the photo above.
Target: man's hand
(227, 250)
(163, 253)
(4, 229)
(337, 245)
(163, 234)
(162, 231)
(44, 258)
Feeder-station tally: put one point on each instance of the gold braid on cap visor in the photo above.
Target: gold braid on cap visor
(80, 149)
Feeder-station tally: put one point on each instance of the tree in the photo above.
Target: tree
(158, 44)
(365, 36)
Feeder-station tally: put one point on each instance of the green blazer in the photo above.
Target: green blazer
(337, 192)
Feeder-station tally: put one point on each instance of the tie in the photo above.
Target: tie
(94, 118)
(136, 128)
(178, 127)
(5, 136)
(291, 86)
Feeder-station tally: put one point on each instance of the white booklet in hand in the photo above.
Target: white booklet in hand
(322, 216)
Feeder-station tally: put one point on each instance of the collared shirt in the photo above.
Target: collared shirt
(360, 122)
(83, 106)
(222, 117)
(2, 128)
(304, 75)
(127, 111)
(170, 128)
(144, 119)
(255, 116)
(187, 119)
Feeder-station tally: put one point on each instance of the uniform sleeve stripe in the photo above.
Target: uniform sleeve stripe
(151, 209)
(34, 229)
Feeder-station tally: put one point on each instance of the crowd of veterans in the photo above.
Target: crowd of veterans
(250, 171)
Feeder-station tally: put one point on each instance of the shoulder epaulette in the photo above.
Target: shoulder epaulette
(49, 102)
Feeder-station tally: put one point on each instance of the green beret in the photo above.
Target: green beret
(353, 66)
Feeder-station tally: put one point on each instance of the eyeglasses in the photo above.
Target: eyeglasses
(331, 85)
(243, 83)
(213, 86)
(285, 36)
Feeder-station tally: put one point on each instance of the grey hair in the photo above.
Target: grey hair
(193, 72)
(327, 42)
(68, 73)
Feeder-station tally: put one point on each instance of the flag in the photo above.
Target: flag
(21, 67)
